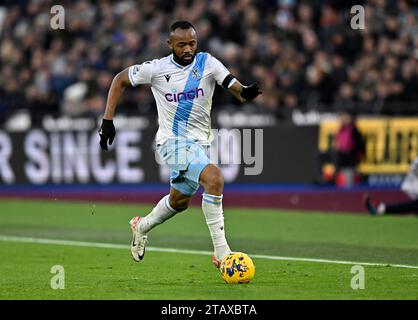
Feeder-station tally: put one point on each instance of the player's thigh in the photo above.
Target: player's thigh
(178, 200)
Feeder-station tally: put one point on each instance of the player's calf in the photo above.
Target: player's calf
(178, 201)
(212, 180)
(161, 212)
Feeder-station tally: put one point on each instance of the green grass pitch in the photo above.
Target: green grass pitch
(110, 273)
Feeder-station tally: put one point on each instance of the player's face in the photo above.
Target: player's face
(183, 43)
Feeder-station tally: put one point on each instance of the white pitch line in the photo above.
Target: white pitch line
(185, 251)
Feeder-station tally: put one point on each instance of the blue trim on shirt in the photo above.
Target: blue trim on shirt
(185, 106)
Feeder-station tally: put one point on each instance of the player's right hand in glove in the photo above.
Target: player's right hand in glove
(107, 132)
(250, 92)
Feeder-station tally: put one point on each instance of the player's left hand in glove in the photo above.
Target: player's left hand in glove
(250, 92)
(106, 132)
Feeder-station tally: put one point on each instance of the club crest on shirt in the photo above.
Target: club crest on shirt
(196, 74)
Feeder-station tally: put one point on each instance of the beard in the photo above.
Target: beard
(184, 60)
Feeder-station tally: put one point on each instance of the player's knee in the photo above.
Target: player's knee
(214, 183)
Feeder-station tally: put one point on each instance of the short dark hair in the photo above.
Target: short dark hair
(182, 24)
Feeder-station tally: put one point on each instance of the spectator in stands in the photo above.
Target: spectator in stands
(310, 56)
(349, 143)
(347, 152)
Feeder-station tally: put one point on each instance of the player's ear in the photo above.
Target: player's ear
(169, 44)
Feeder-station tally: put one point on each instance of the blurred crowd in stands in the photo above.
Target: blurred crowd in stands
(304, 54)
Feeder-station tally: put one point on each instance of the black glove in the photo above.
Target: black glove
(106, 132)
(250, 92)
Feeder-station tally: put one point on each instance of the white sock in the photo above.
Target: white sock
(158, 215)
(212, 208)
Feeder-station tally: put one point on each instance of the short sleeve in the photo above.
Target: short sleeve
(141, 73)
(219, 71)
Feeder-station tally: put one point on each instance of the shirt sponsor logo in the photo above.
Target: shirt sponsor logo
(185, 95)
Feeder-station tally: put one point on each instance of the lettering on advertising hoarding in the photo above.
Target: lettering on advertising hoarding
(391, 144)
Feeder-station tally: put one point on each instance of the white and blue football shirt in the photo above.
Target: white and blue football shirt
(183, 94)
